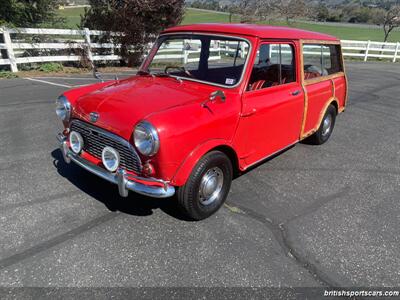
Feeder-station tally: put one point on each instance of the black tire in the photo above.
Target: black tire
(189, 196)
(322, 135)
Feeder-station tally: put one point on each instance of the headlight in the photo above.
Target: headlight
(146, 139)
(110, 158)
(63, 108)
(75, 142)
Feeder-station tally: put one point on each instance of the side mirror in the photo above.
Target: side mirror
(97, 75)
(216, 94)
(213, 96)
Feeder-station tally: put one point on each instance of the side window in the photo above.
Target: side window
(336, 59)
(312, 60)
(326, 58)
(274, 65)
(321, 60)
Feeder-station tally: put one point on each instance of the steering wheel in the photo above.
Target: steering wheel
(180, 68)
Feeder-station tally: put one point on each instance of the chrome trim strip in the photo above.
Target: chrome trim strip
(111, 136)
(209, 34)
(120, 178)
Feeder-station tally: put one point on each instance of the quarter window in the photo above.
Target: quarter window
(274, 65)
(321, 60)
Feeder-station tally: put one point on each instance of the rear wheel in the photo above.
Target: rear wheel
(207, 187)
(325, 129)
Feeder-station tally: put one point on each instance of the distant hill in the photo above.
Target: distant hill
(328, 3)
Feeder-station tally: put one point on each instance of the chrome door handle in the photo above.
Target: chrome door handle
(295, 93)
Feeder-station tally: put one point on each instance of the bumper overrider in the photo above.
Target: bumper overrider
(155, 188)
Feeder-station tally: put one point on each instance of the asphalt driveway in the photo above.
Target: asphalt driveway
(314, 216)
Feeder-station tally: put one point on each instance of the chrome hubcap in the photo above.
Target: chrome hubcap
(326, 125)
(211, 185)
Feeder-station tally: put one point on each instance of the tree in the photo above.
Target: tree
(251, 10)
(362, 15)
(245, 9)
(139, 21)
(321, 12)
(288, 9)
(389, 19)
(206, 4)
(29, 13)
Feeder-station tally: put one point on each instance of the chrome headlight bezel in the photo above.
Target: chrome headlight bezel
(76, 142)
(145, 138)
(108, 155)
(63, 108)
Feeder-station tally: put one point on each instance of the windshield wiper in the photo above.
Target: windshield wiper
(162, 74)
(165, 74)
(158, 74)
(143, 73)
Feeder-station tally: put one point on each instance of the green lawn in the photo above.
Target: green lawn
(197, 16)
(72, 16)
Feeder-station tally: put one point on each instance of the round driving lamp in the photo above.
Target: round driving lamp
(110, 158)
(63, 108)
(75, 142)
(146, 138)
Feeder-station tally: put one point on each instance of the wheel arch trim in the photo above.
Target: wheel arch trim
(332, 100)
(186, 167)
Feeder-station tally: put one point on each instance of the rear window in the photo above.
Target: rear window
(321, 60)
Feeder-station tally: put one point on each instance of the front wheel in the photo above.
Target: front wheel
(207, 187)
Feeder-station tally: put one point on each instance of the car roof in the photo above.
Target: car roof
(261, 31)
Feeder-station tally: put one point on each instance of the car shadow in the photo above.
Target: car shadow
(107, 193)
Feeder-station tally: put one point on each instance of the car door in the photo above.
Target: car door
(273, 104)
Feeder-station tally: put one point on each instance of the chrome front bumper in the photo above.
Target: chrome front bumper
(120, 177)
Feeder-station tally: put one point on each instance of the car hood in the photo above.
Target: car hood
(124, 103)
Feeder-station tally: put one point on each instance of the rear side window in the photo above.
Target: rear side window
(274, 65)
(321, 60)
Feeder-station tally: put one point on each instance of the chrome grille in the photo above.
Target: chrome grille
(95, 139)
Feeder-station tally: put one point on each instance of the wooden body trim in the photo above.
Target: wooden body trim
(307, 82)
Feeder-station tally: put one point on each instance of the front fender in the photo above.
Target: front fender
(186, 167)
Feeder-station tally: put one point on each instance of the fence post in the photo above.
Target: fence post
(88, 44)
(242, 49)
(185, 53)
(396, 51)
(10, 50)
(367, 50)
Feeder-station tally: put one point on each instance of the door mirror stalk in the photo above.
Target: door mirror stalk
(213, 97)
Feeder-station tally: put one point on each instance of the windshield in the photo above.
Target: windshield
(212, 59)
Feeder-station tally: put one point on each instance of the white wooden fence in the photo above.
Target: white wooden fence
(370, 49)
(17, 43)
(67, 39)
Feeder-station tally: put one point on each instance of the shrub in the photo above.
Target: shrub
(8, 75)
(51, 67)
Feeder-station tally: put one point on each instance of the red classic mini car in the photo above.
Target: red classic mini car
(209, 101)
